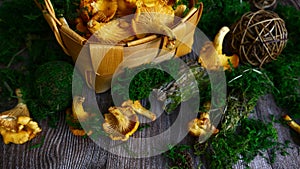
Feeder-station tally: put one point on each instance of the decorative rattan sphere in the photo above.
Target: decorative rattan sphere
(258, 37)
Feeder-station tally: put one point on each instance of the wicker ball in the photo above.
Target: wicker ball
(258, 37)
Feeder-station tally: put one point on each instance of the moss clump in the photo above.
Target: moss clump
(53, 83)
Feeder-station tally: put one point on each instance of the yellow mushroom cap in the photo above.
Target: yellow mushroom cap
(120, 123)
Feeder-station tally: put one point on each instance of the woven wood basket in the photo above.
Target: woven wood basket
(97, 75)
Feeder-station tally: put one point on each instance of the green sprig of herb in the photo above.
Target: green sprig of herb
(245, 86)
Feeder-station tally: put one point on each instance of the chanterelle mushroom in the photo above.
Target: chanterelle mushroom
(77, 108)
(202, 127)
(153, 16)
(120, 123)
(99, 10)
(138, 108)
(77, 114)
(16, 126)
(211, 55)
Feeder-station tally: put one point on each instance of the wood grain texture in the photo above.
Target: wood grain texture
(63, 150)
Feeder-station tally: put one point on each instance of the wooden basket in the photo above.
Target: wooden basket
(97, 75)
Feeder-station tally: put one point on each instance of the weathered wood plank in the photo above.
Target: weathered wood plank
(63, 150)
(267, 107)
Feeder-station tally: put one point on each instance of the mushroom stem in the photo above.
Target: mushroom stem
(8, 119)
(218, 41)
(212, 56)
(138, 108)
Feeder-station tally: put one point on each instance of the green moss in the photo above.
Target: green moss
(217, 14)
(252, 138)
(54, 84)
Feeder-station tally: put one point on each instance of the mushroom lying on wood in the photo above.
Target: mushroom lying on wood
(138, 108)
(76, 115)
(120, 123)
(16, 126)
(211, 55)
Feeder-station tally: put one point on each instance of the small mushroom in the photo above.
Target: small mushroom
(81, 26)
(202, 127)
(211, 55)
(76, 115)
(74, 124)
(120, 123)
(138, 108)
(16, 126)
(99, 10)
(77, 108)
(179, 11)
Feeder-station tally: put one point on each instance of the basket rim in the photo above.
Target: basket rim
(58, 23)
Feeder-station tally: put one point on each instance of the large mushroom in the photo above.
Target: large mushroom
(153, 16)
(120, 123)
(212, 57)
(16, 126)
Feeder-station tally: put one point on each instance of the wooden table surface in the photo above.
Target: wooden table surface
(62, 150)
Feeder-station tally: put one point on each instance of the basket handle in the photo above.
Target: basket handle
(49, 15)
